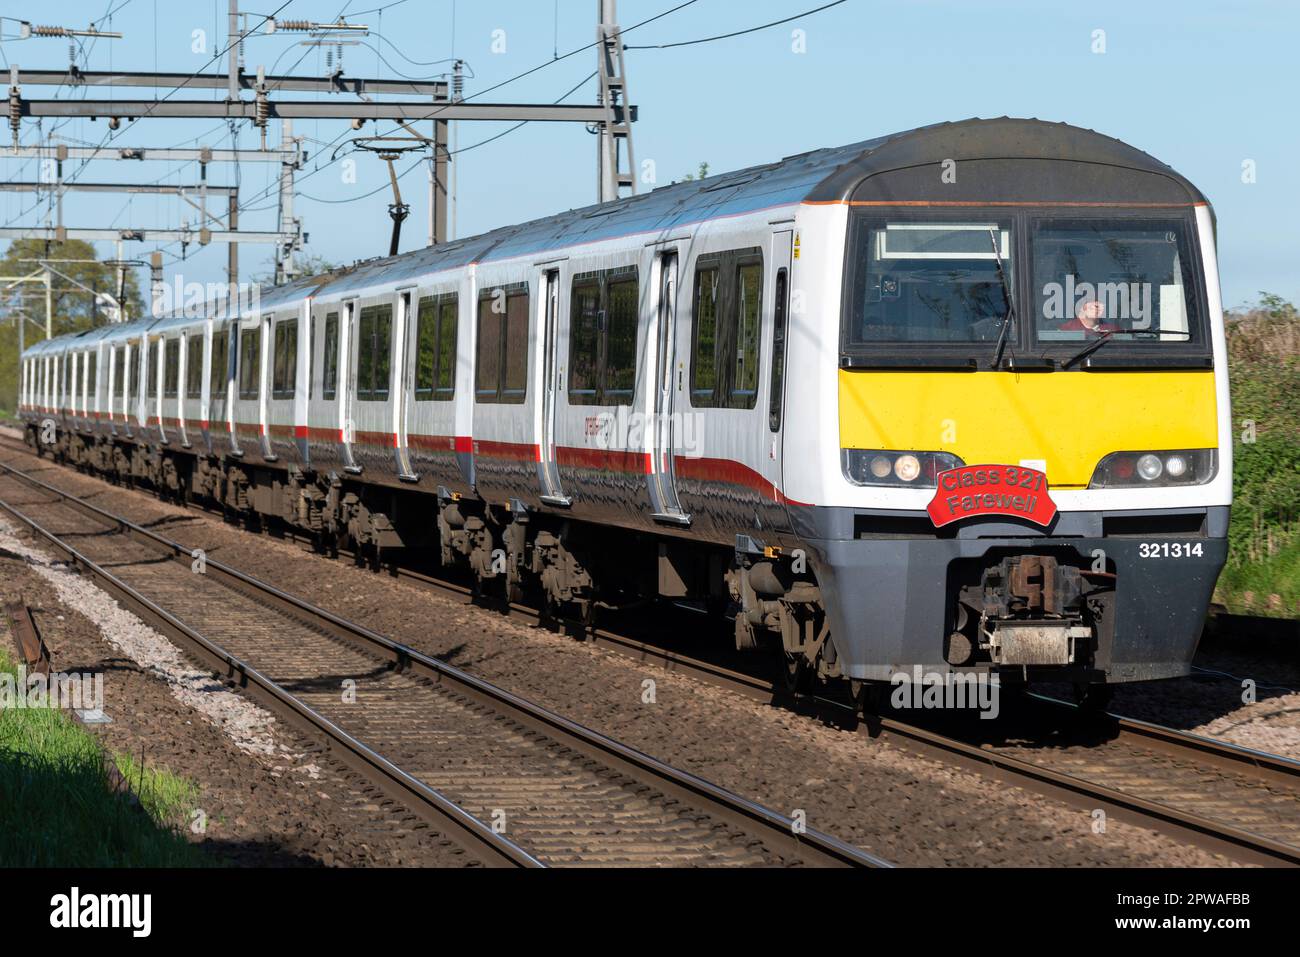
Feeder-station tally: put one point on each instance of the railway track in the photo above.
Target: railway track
(514, 783)
(1232, 800)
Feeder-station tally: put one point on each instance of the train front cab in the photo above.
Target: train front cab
(1121, 405)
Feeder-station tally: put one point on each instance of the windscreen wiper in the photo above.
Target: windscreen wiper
(1105, 337)
(1011, 306)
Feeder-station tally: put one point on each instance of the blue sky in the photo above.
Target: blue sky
(1203, 86)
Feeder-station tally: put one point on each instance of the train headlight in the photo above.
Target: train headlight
(1149, 467)
(1156, 469)
(907, 468)
(896, 469)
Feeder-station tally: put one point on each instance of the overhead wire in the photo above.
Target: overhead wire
(736, 33)
(247, 204)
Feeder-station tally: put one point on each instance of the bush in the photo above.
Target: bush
(1264, 370)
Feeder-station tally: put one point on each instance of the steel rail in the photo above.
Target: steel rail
(1276, 768)
(489, 847)
(1214, 835)
(778, 830)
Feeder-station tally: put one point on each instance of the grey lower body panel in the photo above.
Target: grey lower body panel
(889, 599)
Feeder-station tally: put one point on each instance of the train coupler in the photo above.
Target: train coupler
(1033, 613)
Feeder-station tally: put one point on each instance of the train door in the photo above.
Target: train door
(348, 383)
(403, 384)
(663, 483)
(782, 248)
(265, 367)
(217, 414)
(547, 468)
(131, 412)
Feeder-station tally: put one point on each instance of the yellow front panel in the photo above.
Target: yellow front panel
(1070, 420)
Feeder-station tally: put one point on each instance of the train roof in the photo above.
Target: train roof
(1005, 160)
(1010, 160)
(69, 340)
(1002, 160)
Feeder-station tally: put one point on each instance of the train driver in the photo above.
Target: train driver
(1090, 318)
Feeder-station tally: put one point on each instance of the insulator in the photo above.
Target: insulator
(263, 110)
(41, 31)
(329, 59)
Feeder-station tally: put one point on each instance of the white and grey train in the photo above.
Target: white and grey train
(953, 398)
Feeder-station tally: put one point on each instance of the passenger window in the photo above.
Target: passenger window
(193, 365)
(426, 347)
(776, 398)
(515, 384)
(133, 393)
(487, 375)
(285, 370)
(374, 345)
(330, 365)
(704, 371)
(501, 366)
(365, 352)
(172, 369)
(217, 376)
(92, 370)
(250, 355)
(436, 348)
(603, 309)
(750, 287)
(154, 366)
(448, 321)
(311, 356)
(727, 325)
(584, 340)
(620, 343)
(119, 370)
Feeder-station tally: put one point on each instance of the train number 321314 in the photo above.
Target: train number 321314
(1171, 550)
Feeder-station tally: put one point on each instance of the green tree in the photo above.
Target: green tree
(307, 264)
(73, 308)
(702, 173)
(1264, 369)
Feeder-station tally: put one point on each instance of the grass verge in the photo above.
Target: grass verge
(56, 808)
(1268, 586)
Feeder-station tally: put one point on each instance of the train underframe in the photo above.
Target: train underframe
(852, 610)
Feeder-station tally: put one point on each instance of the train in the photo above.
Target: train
(953, 399)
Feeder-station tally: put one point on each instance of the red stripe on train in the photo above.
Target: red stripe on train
(732, 473)
(604, 460)
(510, 451)
(386, 440)
(432, 443)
